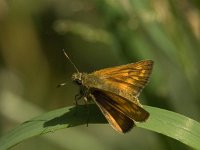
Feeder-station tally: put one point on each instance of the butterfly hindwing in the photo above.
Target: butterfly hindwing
(119, 121)
(126, 107)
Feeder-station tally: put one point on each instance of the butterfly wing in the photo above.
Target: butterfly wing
(115, 106)
(116, 119)
(126, 80)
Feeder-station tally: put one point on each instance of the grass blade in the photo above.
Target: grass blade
(161, 121)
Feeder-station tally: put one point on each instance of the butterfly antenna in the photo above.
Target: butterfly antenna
(70, 60)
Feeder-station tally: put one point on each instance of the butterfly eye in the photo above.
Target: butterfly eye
(78, 82)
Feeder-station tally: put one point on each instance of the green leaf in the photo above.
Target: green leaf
(174, 125)
(162, 121)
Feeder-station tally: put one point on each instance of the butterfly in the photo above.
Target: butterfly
(115, 90)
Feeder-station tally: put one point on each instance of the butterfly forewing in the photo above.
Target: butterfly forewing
(126, 80)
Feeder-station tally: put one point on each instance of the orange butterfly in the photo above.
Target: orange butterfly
(115, 90)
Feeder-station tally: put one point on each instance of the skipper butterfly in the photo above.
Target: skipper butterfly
(115, 90)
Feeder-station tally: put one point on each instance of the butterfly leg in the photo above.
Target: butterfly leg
(77, 98)
(87, 97)
(87, 108)
(80, 95)
(84, 93)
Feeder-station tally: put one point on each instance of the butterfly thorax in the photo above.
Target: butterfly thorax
(86, 80)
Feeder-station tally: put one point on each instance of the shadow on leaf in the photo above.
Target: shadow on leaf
(78, 115)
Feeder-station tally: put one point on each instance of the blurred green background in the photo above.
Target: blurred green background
(96, 34)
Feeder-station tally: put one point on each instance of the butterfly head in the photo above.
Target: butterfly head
(77, 78)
